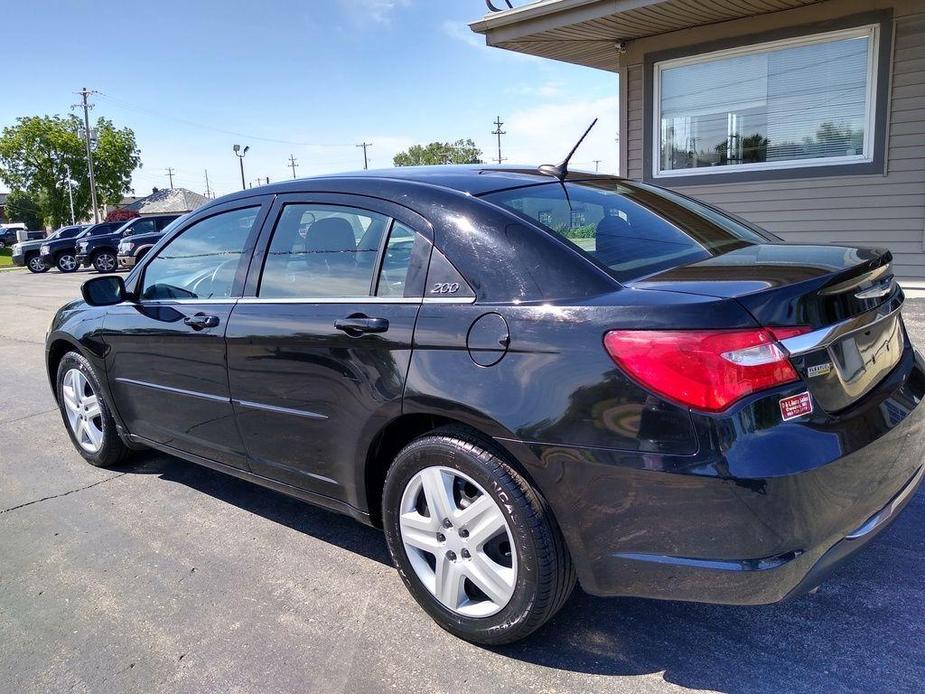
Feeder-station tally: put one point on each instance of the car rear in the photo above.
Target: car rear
(767, 395)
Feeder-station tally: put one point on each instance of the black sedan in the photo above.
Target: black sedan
(526, 379)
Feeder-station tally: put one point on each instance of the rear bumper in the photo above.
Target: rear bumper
(19, 260)
(83, 259)
(763, 511)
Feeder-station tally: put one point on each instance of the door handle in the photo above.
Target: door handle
(200, 321)
(358, 325)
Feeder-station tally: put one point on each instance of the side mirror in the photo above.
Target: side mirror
(104, 291)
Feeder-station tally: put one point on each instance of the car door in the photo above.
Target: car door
(166, 361)
(319, 347)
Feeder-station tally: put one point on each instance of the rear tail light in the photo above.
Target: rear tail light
(704, 369)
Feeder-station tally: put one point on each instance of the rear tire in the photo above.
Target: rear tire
(36, 264)
(66, 262)
(105, 262)
(456, 568)
(86, 414)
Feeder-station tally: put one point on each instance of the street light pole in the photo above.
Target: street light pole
(70, 192)
(239, 153)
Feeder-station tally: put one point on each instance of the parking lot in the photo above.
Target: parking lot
(163, 576)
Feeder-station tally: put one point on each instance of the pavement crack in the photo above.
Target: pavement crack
(28, 416)
(58, 496)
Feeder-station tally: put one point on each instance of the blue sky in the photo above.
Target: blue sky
(311, 78)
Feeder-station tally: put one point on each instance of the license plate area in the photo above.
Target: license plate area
(860, 360)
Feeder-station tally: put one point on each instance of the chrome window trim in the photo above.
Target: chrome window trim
(823, 337)
(357, 300)
(172, 302)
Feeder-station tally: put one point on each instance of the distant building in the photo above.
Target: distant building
(169, 200)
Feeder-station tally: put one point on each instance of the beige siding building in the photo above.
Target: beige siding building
(805, 117)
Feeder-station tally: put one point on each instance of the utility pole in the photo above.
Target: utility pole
(499, 132)
(169, 171)
(208, 191)
(70, 192)
(364, 145)
(84, 94)
(293, 164)
(597, 165)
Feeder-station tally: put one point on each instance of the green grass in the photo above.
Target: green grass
(6, 257)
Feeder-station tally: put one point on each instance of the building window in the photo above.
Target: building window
(800, 102)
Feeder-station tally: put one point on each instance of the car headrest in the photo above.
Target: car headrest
(612, 225)
(330, 234)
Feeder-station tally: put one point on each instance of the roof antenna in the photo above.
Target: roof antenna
(560, 170)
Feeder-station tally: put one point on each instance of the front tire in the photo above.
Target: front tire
(86, 414)
(474, 543)
(105, 262)
(36, 264)
(66, 262)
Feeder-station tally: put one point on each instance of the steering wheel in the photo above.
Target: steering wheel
(211, 277)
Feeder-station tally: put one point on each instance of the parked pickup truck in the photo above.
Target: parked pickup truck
(133, 248)
(28, 253)
(101, 251)
(61, 251)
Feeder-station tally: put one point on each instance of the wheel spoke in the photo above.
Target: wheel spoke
(483, 519)
(94, 435)
(438, 491)
(92, 406)
(496, 581)
(449, 582)
(419, 531)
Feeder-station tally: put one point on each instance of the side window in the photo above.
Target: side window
(396, 260)
(200, 263)
(164, 221)
(322, 251)
(142, 226)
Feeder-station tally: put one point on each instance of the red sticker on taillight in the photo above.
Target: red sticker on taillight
(796, 406)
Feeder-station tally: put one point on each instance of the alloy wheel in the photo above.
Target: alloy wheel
(36, 264)
(82, 407)
(105, 262)
(67, 263)
(458, 542)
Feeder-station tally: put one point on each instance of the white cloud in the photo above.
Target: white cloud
(545, 91)
(459, 31)
(373, 11)
(544, 134)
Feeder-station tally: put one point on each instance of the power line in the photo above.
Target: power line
(364, 145)
(499, 132)
(160, 114)
(169, 171)
(293, 164)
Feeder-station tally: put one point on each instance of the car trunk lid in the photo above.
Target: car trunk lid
(845, 298)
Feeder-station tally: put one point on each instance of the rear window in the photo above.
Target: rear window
(633, 230)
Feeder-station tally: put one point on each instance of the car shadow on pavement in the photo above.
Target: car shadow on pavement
(864, 630)
(319, 523)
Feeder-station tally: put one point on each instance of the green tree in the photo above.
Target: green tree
(459, 152)
(22, 207)
(36, 152)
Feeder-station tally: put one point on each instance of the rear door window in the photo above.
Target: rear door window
(331, 251)
(632, 230)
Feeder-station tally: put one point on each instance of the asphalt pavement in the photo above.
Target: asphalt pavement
(164, 576)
